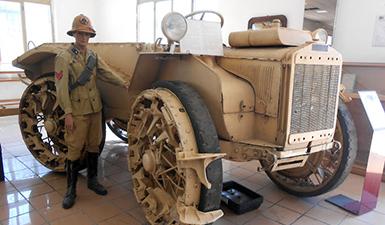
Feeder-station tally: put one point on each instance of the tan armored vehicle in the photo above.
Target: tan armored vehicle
(272, 96)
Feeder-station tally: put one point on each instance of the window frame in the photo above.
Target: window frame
(23, 18)
(138, 2)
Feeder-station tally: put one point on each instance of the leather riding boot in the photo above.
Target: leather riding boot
(72, 178)
(92, 173)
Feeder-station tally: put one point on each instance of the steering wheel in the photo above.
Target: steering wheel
(203, 12)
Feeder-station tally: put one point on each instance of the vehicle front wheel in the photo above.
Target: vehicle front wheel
(323, 171)
(165, 141)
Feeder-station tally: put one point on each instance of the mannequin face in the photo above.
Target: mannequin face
(81, 39)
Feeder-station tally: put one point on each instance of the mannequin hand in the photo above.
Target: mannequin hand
(69, 122)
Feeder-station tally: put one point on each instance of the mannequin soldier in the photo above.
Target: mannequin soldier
(76, 69)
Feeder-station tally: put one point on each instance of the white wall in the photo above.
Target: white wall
(238, 12)
(353, 30)
(65, 10)
(115, 20)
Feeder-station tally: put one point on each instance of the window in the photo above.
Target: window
(11, 38)
(24, 24)
(151, 13)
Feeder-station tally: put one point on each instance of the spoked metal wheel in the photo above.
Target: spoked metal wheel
(119, 128)
(324, 170)
(41, 123)
(164, 160)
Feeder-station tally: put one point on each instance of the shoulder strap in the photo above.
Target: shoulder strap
(86, 73)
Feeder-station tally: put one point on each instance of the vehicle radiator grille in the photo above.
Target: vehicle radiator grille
(314, 97)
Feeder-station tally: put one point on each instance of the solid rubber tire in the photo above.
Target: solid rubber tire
(206, 139)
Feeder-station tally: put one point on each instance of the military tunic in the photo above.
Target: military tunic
(84, 101)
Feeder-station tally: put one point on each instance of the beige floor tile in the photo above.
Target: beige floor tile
(36, 190)
(30, 163)
(12, 165)
(240, 173)
(238, 219)
(58, 184)
(14, 209)
(26, 158)
(228, 165)
(126, 202)
(252, 166)
(56, 212)
(223, 221)
(31, 218)
(272, 193)
(107, 169)
(304, 220)
(380, 205)
(228, 177)
(260, 179)
(281, 214)
(115, 192)
(103, 211)
(250, 185)
(20, 175)
(6, 186)
(261, 220)
(325, 215)
(46, 200)
(372, 217)
(6, 155)
(127, 185)
(353, 221)
(121, 177)
(23, 178)
(332, 207)
(40, 170)
(138, 214)
(10, 197)
(78, 218)
(106, 182)
(299, 205)
(121, 219)
(52, 176)
(89, 200)
(19, 150)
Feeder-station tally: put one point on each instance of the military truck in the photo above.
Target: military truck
(272, 96)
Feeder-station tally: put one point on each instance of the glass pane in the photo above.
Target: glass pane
(146, 22)
(11, 36)
(162, 8)
(207, 5)
(182, 6)
(38, 24)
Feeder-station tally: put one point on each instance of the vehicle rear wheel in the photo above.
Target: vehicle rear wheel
(119, 128)
(324, 170)
(161, 138)
(41, 122)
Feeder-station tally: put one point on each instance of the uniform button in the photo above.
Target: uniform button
(93, 99)
(90, 89)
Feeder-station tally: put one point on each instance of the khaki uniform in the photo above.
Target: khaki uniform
(83, 102)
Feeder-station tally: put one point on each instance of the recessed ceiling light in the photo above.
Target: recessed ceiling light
(321, 11)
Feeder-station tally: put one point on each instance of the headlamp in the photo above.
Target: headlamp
(320, 35)
(174, 26)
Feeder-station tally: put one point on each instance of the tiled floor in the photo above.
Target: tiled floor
(32, 194)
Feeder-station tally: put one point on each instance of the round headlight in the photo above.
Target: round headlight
(320, 35)
(174, 26)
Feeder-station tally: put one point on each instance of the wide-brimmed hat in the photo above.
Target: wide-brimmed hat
(82, 23)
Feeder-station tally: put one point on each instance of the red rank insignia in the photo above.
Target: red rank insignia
(59, 75)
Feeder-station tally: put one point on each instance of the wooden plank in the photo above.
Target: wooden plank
(9, 112)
